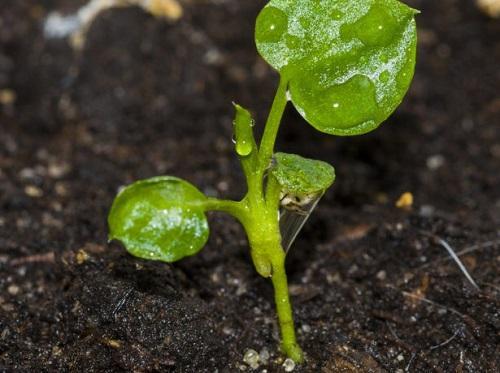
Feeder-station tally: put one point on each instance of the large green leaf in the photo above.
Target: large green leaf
(349, 63)
(160, 219)
(302, 176)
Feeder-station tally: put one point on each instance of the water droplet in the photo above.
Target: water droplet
(271, 24)
(337, 14)
(356, 101)
(233, 139)
(384, 76)
(252, 123)
(377, 27)
(243, 148)
(292, 42)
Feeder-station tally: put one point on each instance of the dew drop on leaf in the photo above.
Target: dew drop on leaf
(385, 76)
(243, 148)
(377, 27)
(353, 102)
(292, 41)
(337, 14)
(272, 23)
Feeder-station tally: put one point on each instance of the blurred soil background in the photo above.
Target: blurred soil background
(373, 287)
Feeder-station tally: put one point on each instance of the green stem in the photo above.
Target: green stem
(258, 212)
(237, 209)
(272, 126)
(289, 343)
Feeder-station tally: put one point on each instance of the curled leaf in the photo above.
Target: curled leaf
(301, 176)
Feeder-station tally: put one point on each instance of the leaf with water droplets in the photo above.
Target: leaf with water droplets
(301, 176)
(160, 219)
(349, 63)
(243, 131)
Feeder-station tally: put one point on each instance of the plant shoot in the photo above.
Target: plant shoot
(345, 65)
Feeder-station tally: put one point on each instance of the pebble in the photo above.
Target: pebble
(57, 170)
(306, 328)
(435, 162)
(33, 191)
(13, 289)
(7, 96)
(289, 365)
(264, 356)
(405, 202)
(251, 358)
(381, 275)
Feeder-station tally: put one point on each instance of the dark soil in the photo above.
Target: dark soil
(372, 288)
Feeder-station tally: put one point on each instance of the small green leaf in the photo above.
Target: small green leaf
(160, 219)
(302, 176)
(349, 63)
(243, 131)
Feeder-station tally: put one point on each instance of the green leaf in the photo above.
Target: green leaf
(302, 176)
(243, 131)
(349, 63)
(160, 219)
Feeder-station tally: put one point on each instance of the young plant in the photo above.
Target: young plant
(345, 65)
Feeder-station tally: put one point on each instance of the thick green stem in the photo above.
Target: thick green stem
(284, 308)
(259, 212)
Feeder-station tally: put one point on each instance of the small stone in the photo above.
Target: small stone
(7, 96)
(57, 170)
(61, 189)
(333, 278)
(13, 289)
(435, 162)
(381, 275)
(490, 7)
(81, 256)
(56, 351)
(427, 211)
(251, 358)
(289, 365)
(306, 328)
(27, 173)
(264, 356)
(400, 357)
(33, 191)
(113, 343)
(405, 202)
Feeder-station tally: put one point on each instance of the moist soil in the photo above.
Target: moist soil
(373, 287)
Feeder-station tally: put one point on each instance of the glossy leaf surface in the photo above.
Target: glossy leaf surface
(302, 176)
(349, 63)
(160, 219)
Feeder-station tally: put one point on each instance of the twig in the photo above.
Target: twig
(454, 256)
(412, 358)
(467, 250)
(423, 299)
(122, 301)
(37, 258)
(445, 342)
(482, 245)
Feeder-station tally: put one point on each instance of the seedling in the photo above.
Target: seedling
(345, 65)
